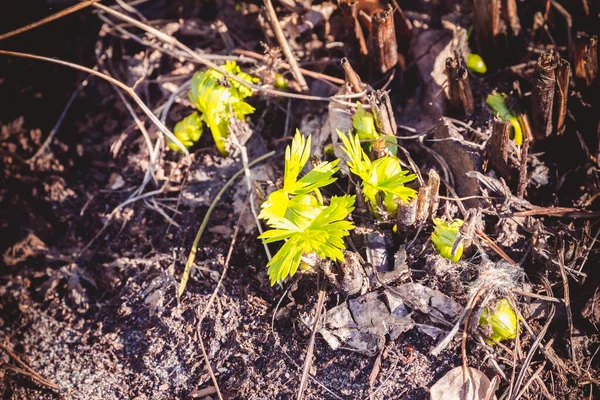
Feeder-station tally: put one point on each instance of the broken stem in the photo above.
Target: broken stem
(542, 95)
(585, 55)
(383, 48)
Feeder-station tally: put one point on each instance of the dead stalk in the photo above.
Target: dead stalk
(311, 343)
(486, 21)
(523, 179)
(459, 88)
(509, 13)
(585, 55)
(383, 48)
(498, 147)
(354, 38)
(542, 95)
(561, 94)
(352, 78)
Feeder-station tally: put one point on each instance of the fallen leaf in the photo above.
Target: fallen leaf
(471, 384)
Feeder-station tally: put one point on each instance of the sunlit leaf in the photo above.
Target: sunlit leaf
(444, 236)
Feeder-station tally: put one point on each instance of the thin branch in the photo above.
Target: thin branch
(112, 80)
(50, 18)
(200, 58)
(285, 47)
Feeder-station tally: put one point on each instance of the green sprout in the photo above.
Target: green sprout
(501, 321)
(497, 102)
(382, 180)
(297, 214)
(363, 123)
(216, 103)
(444, 236)
(476, 64)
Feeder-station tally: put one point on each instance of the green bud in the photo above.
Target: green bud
(500, 321)
(476, 64)
(443, 238)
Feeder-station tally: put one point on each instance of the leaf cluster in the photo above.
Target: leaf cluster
(217, 100)
(382, 179)
(297, 213)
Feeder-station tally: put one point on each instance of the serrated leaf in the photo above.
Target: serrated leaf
(322, 235)
(216, 102)
(384, 175)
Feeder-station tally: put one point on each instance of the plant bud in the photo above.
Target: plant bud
(500, 321)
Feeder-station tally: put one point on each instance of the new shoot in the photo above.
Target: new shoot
(497, 102)
(444, 236)
(217, 101)
(297, 214)
(382, 180)
(499, 321)
(363, 123)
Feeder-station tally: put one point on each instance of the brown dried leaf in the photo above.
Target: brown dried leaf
(472, 385)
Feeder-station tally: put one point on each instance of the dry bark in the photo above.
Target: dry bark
(354, 39)
(383, 48)
(498, 147)
(486, 22)
(561, 94)
(509, 14)
(459, 89)
(381, 107)
(542, 95)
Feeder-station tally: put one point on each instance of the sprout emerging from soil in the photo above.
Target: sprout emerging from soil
(382, 180)
(217, 102)
(497, 102)
(444, 236)
(500, 321)
(476, 64)
(297, 214)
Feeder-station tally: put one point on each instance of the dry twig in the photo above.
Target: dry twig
(285, 47)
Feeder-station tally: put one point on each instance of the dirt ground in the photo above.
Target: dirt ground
(88, 304)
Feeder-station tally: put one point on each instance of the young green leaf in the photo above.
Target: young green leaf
(322, 234)
(496, 101)
(384, 176)
(279, 204)
(443, 238)
(217, 102)
(364, 124)
(188, 131)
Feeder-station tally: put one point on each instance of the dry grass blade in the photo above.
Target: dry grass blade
(26, 369)
(53, 17)
(311, 343)
(192, 256)
(211, 300)
(285, 47)
(174, 42)
(112, 80)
